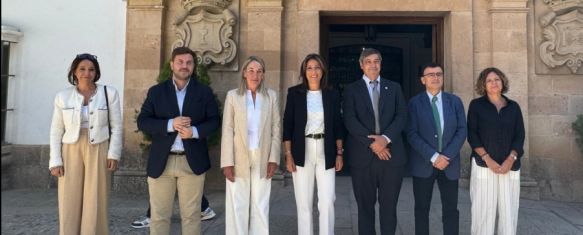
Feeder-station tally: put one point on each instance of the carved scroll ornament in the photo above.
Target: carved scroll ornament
(563, 35)
(206, 27)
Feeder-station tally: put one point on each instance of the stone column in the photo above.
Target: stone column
(264, 39)
(458, 66)
(510, 54)
(308, 35)
(143, 60)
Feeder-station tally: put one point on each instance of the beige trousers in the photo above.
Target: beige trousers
(84, 188)
(494, 194)
(177, 176)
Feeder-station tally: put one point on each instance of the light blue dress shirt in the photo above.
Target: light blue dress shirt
(439, 105)
(178, 146)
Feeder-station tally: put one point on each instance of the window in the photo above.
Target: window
(10, 36)
(5, 77)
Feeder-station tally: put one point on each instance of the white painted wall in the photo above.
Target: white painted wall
(54, 32)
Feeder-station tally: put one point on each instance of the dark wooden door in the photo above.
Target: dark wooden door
(405, 43)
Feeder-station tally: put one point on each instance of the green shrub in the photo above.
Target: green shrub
(578, 128)
(204, 78)
(165, 72)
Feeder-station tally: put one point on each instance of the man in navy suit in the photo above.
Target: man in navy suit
(436, 131)
(179, 114)
(375, 114)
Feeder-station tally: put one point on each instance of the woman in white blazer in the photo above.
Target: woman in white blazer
(250, 150)
(85, 147)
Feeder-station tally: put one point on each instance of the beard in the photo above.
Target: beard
(182, 74)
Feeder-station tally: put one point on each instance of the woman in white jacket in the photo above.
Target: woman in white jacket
(85, 142)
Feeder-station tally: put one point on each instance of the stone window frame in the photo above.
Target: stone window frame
(10, 39)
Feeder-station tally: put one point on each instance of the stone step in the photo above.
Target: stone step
(529, 188)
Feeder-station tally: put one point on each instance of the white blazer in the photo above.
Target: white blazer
(234, 144)
(66, 122)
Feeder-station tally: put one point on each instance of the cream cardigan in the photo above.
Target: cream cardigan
(66, 122)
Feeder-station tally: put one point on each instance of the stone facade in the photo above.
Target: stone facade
(477, 34)
(555, 98)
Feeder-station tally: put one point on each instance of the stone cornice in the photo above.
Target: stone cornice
(222, 4)
(11, 34)
(268, 5)
(145, 4)
(517, 6)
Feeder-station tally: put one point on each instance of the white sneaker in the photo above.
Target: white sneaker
(207, 214)
(142, 222)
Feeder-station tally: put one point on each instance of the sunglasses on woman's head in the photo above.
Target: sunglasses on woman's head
(86, 56)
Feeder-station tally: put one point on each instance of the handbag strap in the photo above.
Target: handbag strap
(107, 103)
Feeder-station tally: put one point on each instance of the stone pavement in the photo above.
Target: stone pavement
(35, 212)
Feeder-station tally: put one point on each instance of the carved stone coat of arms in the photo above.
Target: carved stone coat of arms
(207, 26)
(563, 35)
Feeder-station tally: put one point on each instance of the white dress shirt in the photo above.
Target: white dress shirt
(253, 119)
(369, 88)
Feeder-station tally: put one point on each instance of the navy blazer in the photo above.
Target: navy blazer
(296, 117)
(359, 121)
(161, 105)
(422, 134)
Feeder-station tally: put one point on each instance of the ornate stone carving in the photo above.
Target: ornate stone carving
(563, 34)
(559, 5)
(206, 26)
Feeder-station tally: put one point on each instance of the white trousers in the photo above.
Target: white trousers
(315, 168)
(247, 202)
(493, 194)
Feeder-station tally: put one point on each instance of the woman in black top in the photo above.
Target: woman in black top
(496, 135)
(312, 134)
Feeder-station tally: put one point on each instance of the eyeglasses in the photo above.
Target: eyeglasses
(86, 56)
(433, 75)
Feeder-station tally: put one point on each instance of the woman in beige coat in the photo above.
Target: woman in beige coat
(250, 150)
(85, 143)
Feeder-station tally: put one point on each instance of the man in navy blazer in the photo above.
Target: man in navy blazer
(179, 114)
(374, 146)
(436, 131)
